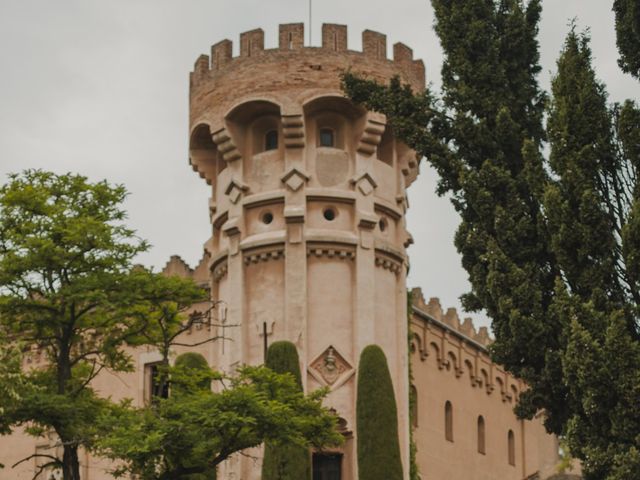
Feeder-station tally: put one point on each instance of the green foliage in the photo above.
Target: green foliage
(285, 461)
(193, 366)
(66, 287)
(628, 35)
(552, 247)
(377, 419)
(191, 434)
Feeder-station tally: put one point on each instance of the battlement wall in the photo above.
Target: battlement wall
(450, 318)
(266, 71)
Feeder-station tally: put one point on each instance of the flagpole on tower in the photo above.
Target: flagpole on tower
(310, 6)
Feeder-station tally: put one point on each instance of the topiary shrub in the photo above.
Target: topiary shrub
(377, 419)
(191, 363)
(285, 462)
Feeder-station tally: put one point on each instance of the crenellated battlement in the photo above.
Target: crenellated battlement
(291, 40)
(450, 318)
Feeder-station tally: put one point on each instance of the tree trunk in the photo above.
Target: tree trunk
(70, 463)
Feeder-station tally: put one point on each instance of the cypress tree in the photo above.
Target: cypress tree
(285, 461)
(628, 35)
(552, 247)
(377, 419)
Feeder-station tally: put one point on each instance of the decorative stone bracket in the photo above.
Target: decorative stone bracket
(226, 146)
(294, 179)
(372, 133)
(235, 189)
(365, 183)
(293, 131)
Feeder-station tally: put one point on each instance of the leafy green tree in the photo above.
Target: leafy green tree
(551, 246)
(283, 461)
(195, 431)
(628, 35)
(377, 419)
(66, 289)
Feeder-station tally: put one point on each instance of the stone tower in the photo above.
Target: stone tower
(308, 197)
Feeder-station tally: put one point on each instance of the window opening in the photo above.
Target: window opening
(481, 435)
(290, 40)
(271, 140)
(156, 388)
(383, 224)
(329, 214)
(267, 218)
(511, 439)
(327, 466)
(448, 421)
(327, 138)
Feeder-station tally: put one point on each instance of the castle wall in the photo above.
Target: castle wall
(450, 363)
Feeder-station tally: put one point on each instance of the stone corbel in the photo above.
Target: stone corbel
(294, 179)
(365, 183)
(366, 223)
(235, 189)
(372, 133)
(226, 145)
(293, 131)
(294, 216)
(231, 229)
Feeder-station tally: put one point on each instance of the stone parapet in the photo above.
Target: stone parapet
(261, 70)
(450, 318)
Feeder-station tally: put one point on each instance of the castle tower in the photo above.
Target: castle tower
(308, 201)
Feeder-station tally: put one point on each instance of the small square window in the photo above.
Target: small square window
(327, 138)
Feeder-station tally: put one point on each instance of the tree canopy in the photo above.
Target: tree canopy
(66, 289)
(550, 244)
(192, 433)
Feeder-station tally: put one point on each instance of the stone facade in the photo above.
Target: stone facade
(308, 244)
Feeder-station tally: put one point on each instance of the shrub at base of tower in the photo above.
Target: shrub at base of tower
(377, 419)
(285, 461)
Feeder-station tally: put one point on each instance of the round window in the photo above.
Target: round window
(267, 218)
(329, 214)
(383, 224)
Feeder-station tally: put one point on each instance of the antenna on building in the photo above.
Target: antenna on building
(310, 18)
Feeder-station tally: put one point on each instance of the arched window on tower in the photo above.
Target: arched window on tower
(511, 440)
(481, 435)
(271, 140)
(448, 421)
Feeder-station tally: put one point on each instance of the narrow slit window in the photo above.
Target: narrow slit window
(271, 140)
(448, 421)
(481, 436)
(511, 439)
(290, 40)
(327, 138)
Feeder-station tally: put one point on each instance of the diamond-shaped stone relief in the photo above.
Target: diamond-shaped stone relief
(294, 179)
(330, 365)
(235, 190)
(365, 183)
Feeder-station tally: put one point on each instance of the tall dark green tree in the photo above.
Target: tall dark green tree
(285, 461)
(590, 202)
(377, 419)
(551, 247)
(628, 35)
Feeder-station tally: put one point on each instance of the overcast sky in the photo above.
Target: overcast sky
(100, 87)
